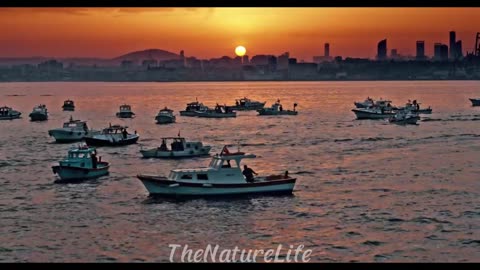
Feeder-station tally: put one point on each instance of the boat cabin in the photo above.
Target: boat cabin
(115, 129)
(178, 144)
(76, 124)
(166, 111)
(125, 108)
(5, 111)
(195, 106)
(68, 103)
(222, 168)
(80, 156)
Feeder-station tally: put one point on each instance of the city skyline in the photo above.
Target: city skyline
(215, 32)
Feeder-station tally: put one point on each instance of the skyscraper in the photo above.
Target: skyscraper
(420, 50)
(440, 52)
(458, 49)
(382, 50)
(452, 45)
(327, 50)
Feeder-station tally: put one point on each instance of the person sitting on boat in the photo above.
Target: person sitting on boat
(248, 174)
(281, 108)
(236, 103)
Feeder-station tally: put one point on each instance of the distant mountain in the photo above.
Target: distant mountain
(150, 54)
(138, 57)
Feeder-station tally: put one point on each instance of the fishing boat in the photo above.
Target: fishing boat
(373, 113)
(39, 113)
(222, 177)
(219, 112)
(193, 108)
(475, 101)
(246, 104)
(125, 111)
(365, 104)
(165, 116)
(7, 113)
(415, 108)
(115, 135)
(68, 105)
(277, 109)
(404, 117)
(179, 148)
(81, 163)
(73, 130)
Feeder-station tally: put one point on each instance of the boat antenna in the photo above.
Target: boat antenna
(238, 145)
(71, 119)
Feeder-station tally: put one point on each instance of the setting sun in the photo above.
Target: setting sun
(240, 51)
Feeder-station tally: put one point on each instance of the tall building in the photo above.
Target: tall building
(440, 52)
(458, 49)
(327, 50)
(420, 50)
(453, 53)
(282, 61)
(382, 50)
(245, 60)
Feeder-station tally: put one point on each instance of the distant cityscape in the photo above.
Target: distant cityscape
(449, 62)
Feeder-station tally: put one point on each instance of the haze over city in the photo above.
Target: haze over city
(214, 32)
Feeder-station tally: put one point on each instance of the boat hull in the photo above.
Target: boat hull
(247, 108)
(10, 116)
(371, 115)
(102, 142)
(125, 114)
(165, 119)
(159, 186)
(266, 112)
(407, 121)
(66, 173)
(38, 117)
(475, 101)
(188, 113)
(155, 153)
(67, 108)
(62, 135)
(215, 115)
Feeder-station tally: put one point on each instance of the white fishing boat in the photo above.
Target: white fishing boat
(365, 104)
(7, 113)
(218, 112)
(373, 113)
(115, 135)
(179, 148)
(222, 177)
(125, 111)
(39, 113)
(415, 108)
(246, 104)
(165, 116)
(73, 130)
(81, 163)
(68, 105)
(193, 108)
(277, 109)
(404, 117)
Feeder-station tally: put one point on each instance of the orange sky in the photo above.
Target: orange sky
(214, 32)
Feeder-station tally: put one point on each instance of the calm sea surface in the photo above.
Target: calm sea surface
(366, 190)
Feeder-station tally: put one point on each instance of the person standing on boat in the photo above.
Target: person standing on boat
(94, 159)
(125, 133)
(248, 173)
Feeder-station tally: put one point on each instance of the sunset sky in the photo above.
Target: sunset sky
(215, 32)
